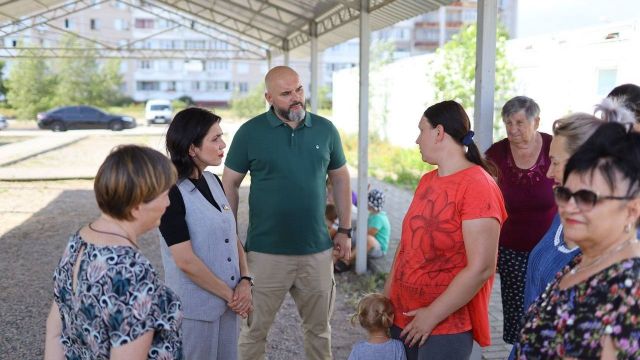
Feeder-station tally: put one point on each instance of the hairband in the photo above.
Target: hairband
(468, 138)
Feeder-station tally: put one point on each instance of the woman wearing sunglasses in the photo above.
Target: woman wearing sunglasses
(591, 310)
(553, 252)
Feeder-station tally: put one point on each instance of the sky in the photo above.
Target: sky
(536, 17)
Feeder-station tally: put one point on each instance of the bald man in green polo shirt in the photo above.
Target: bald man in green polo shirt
(289, 153)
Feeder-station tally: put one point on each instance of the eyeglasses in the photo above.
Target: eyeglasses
(585, 199)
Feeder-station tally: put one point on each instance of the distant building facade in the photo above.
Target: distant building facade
(216, 81)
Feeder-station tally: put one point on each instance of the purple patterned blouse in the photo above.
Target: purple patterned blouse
(528, 196)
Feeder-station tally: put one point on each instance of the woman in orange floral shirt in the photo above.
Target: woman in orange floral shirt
(443, 270)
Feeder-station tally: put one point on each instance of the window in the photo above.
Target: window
(195, 86)
(164, 65)
(243, 87)
(454, 16)
(219, 45)
(124, 66)
(469, 15)
(163, 24)
(145, 64)
(94, 24)
(143, 23)
(120, 24)
(69, 24)
(427, 35)
(119, 5)
(171, 86)
(242, 68)
(606, 80)
(165, 44)
(218, 86)
(218, 65)
(148, 85)
(194, 44)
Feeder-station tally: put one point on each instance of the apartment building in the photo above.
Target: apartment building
(216, 80)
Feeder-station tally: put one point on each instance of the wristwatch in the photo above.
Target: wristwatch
(248, 278)
(345, 231)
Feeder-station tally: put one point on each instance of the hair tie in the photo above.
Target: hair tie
(468, 138)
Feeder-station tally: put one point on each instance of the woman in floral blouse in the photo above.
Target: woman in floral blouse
(592, 311)
(109, 302)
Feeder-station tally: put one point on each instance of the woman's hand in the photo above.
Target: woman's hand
(419, 329)
(241, 301)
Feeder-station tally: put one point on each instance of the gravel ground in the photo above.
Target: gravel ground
(38, 217)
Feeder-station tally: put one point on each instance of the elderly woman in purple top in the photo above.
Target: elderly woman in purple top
(523, 161)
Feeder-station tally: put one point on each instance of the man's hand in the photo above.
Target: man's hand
(342, 247)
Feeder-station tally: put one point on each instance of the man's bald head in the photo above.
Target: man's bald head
(278, 73)
(285, 93)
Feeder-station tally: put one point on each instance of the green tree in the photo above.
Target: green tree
(251, 104)
(3, 87)
(324, 100)
(107, 89)
(81, 79)
(31, 87)
(76, 73)
(453, 70)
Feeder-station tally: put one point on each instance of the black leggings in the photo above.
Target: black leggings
(512, 266)
(439, 347)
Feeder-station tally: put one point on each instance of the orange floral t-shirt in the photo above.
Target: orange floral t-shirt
(432, 249)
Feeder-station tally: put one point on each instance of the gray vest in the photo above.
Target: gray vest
(214, 241)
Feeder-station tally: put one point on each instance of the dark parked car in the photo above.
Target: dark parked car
(83, 117)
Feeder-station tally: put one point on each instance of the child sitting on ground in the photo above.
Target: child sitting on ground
(375, 315)
(378, 226)
(378, 231)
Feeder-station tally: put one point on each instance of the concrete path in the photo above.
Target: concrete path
(22, 150)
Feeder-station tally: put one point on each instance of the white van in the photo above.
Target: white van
(158, 111)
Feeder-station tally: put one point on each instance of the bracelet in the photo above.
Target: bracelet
(345, 231)
(248, 278)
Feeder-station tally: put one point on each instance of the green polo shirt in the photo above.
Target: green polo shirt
(288, 169)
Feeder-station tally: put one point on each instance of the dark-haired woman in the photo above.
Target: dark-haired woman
(442, 273)
(591, 310)
(523, 161)
(109, 302)
(203, 258)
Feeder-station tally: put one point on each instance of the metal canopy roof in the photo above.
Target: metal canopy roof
(253, 28)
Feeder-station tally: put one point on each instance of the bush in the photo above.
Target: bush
(389, 163)
(249, 105)
(187, 100)
(122, 100)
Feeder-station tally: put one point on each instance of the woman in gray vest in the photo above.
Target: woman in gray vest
(203, 258)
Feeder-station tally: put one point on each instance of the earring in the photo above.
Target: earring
(627, 228)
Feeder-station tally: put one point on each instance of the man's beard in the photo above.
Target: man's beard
(293, 115)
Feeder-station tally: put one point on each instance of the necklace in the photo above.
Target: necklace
(113, 234)
(598, 259)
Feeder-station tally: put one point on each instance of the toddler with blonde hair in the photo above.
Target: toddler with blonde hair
(375, 315)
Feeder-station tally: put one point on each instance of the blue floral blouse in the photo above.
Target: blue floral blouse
(572, 322)
(118, 298)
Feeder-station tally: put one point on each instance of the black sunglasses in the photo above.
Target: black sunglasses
(585, 199)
